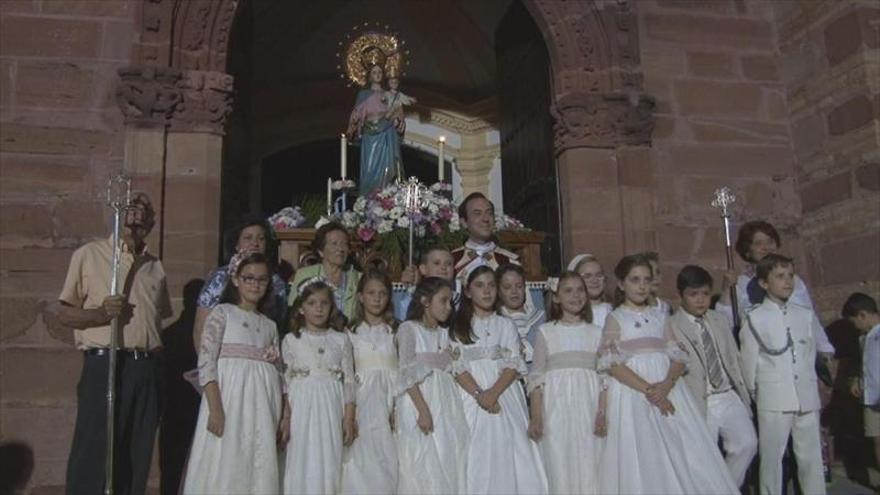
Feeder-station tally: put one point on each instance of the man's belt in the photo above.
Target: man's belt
(135, 354)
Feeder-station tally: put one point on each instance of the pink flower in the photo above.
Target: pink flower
(436, 228)
(365, 234)
(271, 354)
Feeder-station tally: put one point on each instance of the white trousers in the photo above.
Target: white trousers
(728, 417)
(774, 428)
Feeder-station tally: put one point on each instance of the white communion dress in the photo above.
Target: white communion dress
(320, 381)
(239, 351)
(432, 463)
(369, 466)
(502, 459)
(564, 370)
(647, 452)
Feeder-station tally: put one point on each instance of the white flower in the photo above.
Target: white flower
(378, 211)
(385, 226)
(403, 222)
(321, 222)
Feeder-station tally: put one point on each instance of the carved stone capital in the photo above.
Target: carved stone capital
(597, 120)
(206, 104)
(148, 96)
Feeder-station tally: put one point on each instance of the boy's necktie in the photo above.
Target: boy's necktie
(713, 363)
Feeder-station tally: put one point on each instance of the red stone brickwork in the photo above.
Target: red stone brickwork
(721, 120)
(657, 103)
(61, 135)
(829, 54)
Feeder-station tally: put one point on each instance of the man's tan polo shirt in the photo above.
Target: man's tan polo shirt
(88, 283)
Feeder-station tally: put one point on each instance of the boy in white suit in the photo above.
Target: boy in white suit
(713, 375)
(778, 364)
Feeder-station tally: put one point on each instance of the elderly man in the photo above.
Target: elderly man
(86, 306)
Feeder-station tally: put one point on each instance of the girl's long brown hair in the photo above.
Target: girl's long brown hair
(555, 313)
(335, 320)
(461, 329)
(621, 271)
(359, 312)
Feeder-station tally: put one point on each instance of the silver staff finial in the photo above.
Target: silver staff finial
(413, 195)
(724, 198)
(119, 192)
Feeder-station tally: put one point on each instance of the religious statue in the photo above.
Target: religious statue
(377, 120)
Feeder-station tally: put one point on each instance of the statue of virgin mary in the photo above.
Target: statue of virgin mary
(369, 59)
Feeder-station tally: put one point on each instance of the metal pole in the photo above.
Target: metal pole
(724, 198)
(119, 197)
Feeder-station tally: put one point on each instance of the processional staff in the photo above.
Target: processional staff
(118, 198)
(724, 198)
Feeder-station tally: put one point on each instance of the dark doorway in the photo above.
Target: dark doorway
(303, 170)
(529, 165)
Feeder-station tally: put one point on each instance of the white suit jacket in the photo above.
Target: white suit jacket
(785, 382)
(689, 334)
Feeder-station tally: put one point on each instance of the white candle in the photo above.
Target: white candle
(329, 196)
(343, 147)
(440, 159)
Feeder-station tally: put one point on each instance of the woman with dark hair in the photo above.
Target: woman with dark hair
(755, 240)
(332, 245)
(251, 234)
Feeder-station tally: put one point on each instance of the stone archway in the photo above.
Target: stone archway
(177, 100)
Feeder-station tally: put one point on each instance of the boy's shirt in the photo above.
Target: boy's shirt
(779, 356)
(871, 367)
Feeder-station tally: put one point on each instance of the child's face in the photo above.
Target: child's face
(316, 309)
(637, 285)
(252, 281)
(512, 291)
(594, 278)
(393, 83)
(657, 277)
(862, 321)
(696, 300)
(438, 263)
(482, 291)
(439, 307)
(374, 298)
(762, 245)
(780, 282)
(571, 295)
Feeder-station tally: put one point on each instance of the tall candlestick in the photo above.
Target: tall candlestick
(329, 195)
(343, 156)
(441, 169)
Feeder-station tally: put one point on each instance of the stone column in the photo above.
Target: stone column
(193, 167)
(597, 138)
(174, 141)
(474, 163)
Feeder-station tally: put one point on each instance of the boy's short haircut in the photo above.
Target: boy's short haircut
(693, 277)
(769, 262)
(426, 252)
(858, 302)
(462, 208)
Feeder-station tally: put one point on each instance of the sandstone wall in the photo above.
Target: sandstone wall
(830, 65)
(721, 120)
(61, 135)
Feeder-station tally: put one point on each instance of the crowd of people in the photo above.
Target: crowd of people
(332, 384)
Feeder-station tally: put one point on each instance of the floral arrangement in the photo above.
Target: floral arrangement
(290, 217)
(507, 222)
(381, 217)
